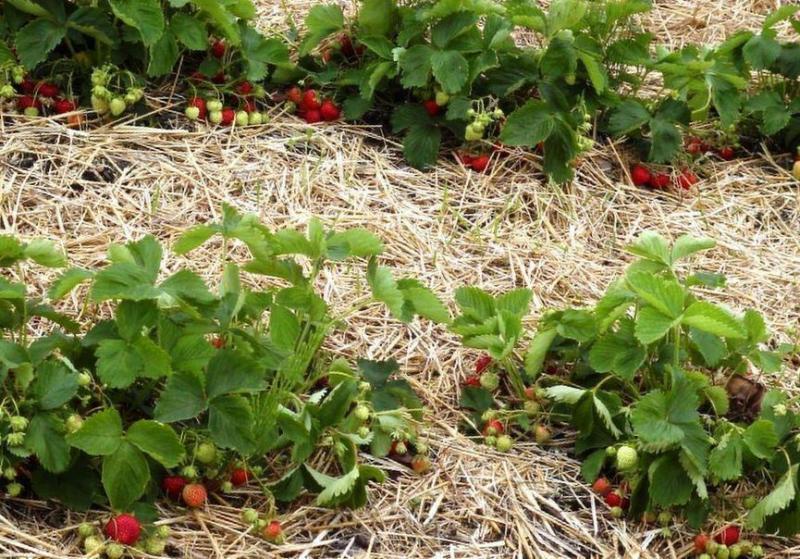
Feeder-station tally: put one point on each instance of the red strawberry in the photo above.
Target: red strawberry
(244, 88)
(219, 78)
(482, 363)
(197, 76)
(660, 180)
(228, 116)
(194, 495)
(173, 485)
(420, 464)
(687, 179)
(480, 163)
(431, 106)
(601, 486)
(640, 175)
(346, 43)
(27, 101)
(329, 111)
(28, 86)
(239, 477)
(200, 103)
(218, 49)
(464, 158)
(250, 106)
(694, 147)
(493, 427)
(727, 153)
(613, 499)
(124, 529)
(729, 535)
(48, 89)
(273, 531)
(701, 542)
(295, 95)
(310, 101)
(474, 380)
(313, 116)
(61, 106)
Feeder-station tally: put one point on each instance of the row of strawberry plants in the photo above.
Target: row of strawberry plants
(660, 388)
(435, 72)
(179, 389)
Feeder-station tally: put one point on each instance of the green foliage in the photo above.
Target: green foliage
(180, 364)
(647, 367)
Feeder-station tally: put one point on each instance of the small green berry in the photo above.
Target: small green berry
(85, 530)
(361, 413)
(504, 443)
(14, 489)
(163, 531)
(250, 516)
(206, 453)
(114, 551)
(18, 423)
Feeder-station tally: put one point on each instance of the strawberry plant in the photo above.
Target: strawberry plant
(193, 391)
(657, 383)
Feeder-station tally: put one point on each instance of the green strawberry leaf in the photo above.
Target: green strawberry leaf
(100, 435)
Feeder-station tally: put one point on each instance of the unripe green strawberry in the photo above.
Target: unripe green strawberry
(117, 106)
(31, 112)
(99, 104)
(259, 92)
(14, 489)
(750, 502)
(422, 448)
(290, 107)
(796, 170)
(666, 532)
(84, 379)
(490, 440)
(101, 92)
(473, 133)
(531, 407)
(114, 551)
(627, 458)
(757, 552)
(163, 531)
(617, 512)
(189, 472)
(215, 117)
(363, 431)
(93, 544)
(490, 381)
(361, 412)
(250, 516)
(7, 91)
(665, 519)
(18, 423)
(15, 439)
(255, 119)
(206, 453)
(488, 415)
(611, 451)
(214, 105)
(711, 547)
(226, 487)
(442, 98)
(504, 443)
(73, 423)
(192, 113)
(736, 551)
(498, 113)
(541, 434)
(85, 530)
(130, 98)
(723, 552)
(154, 546)
(261, 523)
(704, 556)
(242, 118)
(10, 473)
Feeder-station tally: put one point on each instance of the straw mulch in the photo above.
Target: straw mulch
(447, 227)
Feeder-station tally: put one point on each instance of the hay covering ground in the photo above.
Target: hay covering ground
(447, 227)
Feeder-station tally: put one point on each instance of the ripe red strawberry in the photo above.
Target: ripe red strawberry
(474, 380)
(228, 116)
(28, 86)
(250, 106)
(61, 106)
(464, 158)
(701, 542)
(200, 103)
(687, 179)
(480, 163)
(431, 106)
(420, 464)
(310, 101)
(27, 101)
(173, 485)
(640, 175)
(482, 363)
(601, 486)
(48, 89)
(329, 111)
(613, 499)
(273, 531)
(346, 44)
(124, 529)
(727, 153)
(729, 535)
(295, 95)
(194, 495)
(694, 147)
(239, 477)
(244, 88)
(219, 78)
(493, 427)
(660, 180)
(313, 116)
(218, 49)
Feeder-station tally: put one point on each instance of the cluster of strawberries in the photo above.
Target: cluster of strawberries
(38, 95)
(642, 176)
(311, 107)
